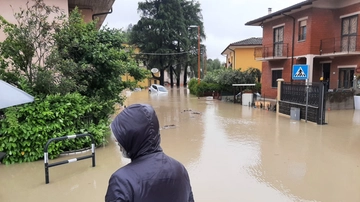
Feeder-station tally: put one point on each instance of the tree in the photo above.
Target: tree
(55, 55)
(255, 73)
(73, 70)
(94, 60)
(213, 65)
(28, 43)
(163, 36)
(226, 77)
(127, 33)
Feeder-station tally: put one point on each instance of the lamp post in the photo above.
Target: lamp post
(198, 36)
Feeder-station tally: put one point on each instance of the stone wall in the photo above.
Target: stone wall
(339, 100)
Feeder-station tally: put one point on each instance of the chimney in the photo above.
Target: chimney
(269, 10)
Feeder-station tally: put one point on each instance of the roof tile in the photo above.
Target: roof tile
(249, 41)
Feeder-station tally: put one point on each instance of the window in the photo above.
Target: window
(346, 76)
(275, 74)
(278, 41)
(348, 33)
(302, 30)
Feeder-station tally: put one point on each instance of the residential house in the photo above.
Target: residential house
(241, 54)
(146, 82)
(91, 9)
(320, 33)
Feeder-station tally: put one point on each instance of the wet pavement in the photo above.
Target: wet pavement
(232, 152)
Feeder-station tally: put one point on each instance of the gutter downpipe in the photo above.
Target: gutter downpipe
(292, 48)
(234, 57)
(105, 13)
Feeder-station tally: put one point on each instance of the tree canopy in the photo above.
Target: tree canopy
(212, 65)
(164, 36)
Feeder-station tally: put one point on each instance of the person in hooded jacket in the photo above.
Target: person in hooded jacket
(151, 176)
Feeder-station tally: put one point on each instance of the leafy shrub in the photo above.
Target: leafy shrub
(222, 80)
(257, 87)
(192, 85)
(204, 87)
(25, 129)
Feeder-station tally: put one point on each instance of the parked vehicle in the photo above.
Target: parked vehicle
(155, 88)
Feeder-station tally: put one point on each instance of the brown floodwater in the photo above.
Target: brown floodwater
(232, 152)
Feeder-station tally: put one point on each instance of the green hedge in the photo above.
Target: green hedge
(192, 85)
(25, 129)
(202, 88)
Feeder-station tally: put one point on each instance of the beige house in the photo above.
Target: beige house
(90, 9)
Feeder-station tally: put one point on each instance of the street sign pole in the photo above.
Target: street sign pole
(301, 72)
(307, 99)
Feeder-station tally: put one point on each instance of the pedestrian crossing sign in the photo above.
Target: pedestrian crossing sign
(300, 72)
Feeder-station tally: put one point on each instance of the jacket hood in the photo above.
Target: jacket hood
(136, 128)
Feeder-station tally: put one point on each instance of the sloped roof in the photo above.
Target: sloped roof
(253, 41)
(259, 21)
(248, 42)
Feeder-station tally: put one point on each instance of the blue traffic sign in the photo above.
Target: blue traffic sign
(300, 72)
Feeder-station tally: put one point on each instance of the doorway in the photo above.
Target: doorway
(326, 72)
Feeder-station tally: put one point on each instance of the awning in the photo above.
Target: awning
(11, 96)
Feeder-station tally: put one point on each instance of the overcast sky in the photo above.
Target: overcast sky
(224, 20)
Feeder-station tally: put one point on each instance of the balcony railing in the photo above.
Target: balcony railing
(345, 44)
(274, 51)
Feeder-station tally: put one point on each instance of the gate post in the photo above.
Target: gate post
(322, 103)
(278, 97)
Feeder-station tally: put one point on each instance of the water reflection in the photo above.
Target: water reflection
(233, 153)
(184, 139)
(311, 161)
(356, 117)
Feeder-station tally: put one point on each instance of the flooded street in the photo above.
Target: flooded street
(232, 152)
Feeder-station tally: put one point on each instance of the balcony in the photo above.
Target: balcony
(346, 45)
(272, 52)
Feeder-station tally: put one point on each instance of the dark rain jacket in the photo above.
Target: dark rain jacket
(152, 176)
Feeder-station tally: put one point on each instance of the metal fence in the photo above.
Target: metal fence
(343, 44)
(46, 155)
(294, 95)
(272, 51)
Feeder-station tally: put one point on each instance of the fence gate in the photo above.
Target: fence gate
(294, 95)
(46, 156)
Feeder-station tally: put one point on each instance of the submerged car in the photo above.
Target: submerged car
(155, 88)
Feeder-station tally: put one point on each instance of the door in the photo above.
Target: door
(326, 72)
(326, 75)
(346, 76)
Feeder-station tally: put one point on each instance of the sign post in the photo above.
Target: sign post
(307, 99)
(301, 72)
